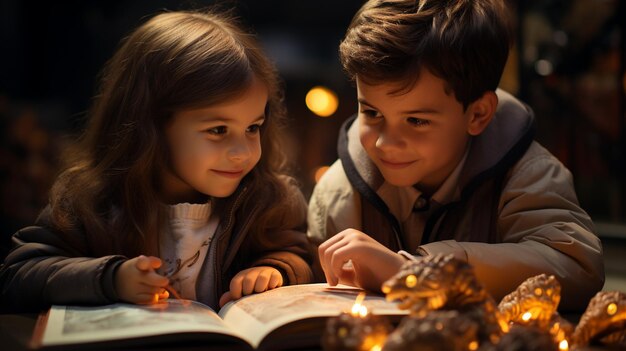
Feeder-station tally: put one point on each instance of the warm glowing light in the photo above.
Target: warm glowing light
(611, 309)
(376, 348)
(410, 281)
(538, 291)
(473, 345)
(322, 101)
(564, 345)
(526, 316)
(363, 311)
(320, 172)
(358, 309)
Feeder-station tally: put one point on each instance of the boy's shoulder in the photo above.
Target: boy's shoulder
(334, 183)
(335, 204)
(536, 161)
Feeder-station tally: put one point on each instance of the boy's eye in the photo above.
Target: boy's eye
(417, 121)
(217, 130)
(371, 113)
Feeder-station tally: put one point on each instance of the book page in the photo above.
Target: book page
(74, 324)
(257, 315)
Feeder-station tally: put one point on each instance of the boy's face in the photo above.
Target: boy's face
(415, 137)
(213, 148)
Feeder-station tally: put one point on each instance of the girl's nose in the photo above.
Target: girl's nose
(239, 151)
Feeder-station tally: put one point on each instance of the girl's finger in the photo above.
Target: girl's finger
(249, 281)
(276, 280)
(154, 278)
(154, 262)
(145, 299)
(262, 280)
(142, 263)
(225, 298)
(236, 287)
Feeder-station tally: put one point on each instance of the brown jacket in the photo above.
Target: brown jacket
(48, 267)
(514, 213)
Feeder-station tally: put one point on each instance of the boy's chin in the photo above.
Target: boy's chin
(400, 181)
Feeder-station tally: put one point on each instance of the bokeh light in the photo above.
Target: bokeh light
(322, 101)
(319, 173)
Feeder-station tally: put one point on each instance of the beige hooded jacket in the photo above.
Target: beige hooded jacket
(509, 209)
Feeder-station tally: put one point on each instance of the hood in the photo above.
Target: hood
(498, 147)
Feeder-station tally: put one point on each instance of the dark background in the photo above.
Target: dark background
(568, 65)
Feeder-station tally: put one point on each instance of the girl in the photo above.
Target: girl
(167, 185)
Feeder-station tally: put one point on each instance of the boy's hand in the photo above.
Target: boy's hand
(252, 280)
(137, 282)
(352, 257)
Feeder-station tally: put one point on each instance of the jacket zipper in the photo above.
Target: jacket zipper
(229, 224)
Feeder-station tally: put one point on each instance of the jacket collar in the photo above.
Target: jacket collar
(500, 145)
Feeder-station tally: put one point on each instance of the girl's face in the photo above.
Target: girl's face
(213, 148)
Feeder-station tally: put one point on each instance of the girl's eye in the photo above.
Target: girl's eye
(417, 121)
(255, 128)
(371, 113)
(217, 130)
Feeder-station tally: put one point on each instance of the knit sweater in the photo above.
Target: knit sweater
(184, 243)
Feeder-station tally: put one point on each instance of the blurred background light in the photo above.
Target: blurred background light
(322, 101)
(543, 67)
(319, 172)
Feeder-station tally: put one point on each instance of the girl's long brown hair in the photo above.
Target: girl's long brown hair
(174, 61)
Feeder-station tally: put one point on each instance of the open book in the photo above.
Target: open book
(283, 318)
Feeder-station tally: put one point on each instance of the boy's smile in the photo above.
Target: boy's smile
(418, 135)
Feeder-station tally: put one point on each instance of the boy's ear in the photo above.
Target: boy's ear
(481, 112)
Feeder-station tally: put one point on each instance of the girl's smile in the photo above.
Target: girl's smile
(229, 174)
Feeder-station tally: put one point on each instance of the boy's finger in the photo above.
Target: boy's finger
(340, 258)
(331, 240)
(330, 270)
(347, 275)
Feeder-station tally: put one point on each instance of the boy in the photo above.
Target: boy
(438, 161)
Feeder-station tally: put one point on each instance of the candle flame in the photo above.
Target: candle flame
(564, 345)
(358, 309)
(376, 348)
(526, 316)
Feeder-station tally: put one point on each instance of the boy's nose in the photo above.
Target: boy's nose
(389, 140)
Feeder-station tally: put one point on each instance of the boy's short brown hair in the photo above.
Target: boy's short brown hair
(464, 42)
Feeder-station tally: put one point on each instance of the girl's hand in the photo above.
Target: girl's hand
(252, 280)
(352, 257)
(137, 282)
